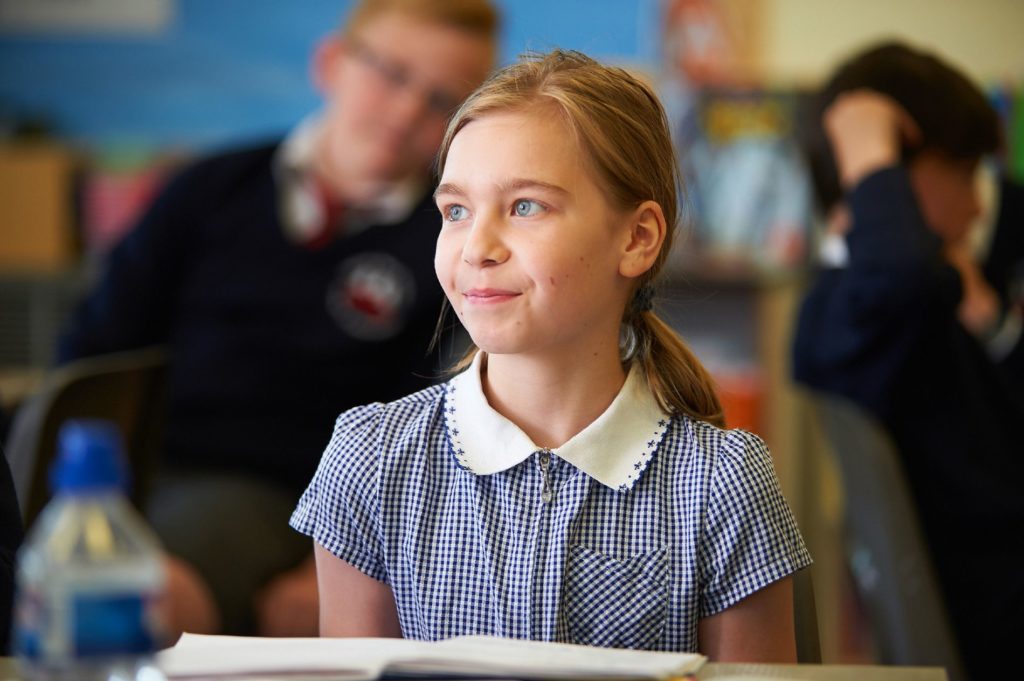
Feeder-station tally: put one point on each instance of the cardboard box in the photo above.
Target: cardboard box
(36, 207)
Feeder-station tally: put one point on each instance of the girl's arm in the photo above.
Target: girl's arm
(351, 602)
(758, 628)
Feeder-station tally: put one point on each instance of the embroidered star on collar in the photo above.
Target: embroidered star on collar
(614, 449)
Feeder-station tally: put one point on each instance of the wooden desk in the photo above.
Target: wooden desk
(818, 672)
(745, 672)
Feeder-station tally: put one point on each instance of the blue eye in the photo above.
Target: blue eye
(455, 212)
(524, 208)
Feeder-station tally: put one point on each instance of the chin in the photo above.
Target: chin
(495, 346)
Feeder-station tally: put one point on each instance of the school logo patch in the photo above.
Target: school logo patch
(371, 295)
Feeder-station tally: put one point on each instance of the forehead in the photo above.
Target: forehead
(436, 52)
(535, 143)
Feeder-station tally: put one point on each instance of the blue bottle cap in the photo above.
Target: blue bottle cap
(90, 457)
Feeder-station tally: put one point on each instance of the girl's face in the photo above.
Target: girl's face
(530, 251)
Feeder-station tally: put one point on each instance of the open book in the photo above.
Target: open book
(352, 659)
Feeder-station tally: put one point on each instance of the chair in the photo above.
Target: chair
(890, 561)
(805, 619)
(125, 387)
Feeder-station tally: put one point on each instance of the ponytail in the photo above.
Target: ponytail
(679, 381)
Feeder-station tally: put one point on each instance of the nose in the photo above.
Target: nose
(409, 109)
(484, 246)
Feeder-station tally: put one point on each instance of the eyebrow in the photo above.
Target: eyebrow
(513, 185)
(449, 188)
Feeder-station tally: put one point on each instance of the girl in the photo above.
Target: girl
(573, 483)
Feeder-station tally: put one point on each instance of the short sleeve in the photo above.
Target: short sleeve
(750, 537)
(340, 508)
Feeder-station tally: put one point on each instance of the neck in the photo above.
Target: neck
(552, 400)
(345, 181)
(344, 186)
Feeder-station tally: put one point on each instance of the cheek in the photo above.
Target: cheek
(445, 260)
(566, 277)
(947, 199)
(949, 211)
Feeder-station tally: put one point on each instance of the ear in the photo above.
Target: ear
(326, 59)
(647, 230)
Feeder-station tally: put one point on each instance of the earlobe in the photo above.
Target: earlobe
(646, 236)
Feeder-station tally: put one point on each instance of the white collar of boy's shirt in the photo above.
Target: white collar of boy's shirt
(833, 251)
(987, 187)
(302, 210)
(614, 450)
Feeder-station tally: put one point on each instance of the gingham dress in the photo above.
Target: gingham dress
(625, 536)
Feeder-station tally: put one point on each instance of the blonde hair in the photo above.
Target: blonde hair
(621, 127)
(476, 17)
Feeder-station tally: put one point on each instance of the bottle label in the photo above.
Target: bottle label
(86, 626)
(111, 625)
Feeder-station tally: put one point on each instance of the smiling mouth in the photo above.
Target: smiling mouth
(488, 296)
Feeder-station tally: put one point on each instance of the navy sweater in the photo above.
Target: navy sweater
(883, 332)
(269, 341)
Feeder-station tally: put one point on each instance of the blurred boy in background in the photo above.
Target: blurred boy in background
(290, 281)
(900, 317)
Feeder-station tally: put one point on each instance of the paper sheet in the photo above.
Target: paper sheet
(354, 659)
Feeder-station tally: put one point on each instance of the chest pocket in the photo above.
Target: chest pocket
(613, 603)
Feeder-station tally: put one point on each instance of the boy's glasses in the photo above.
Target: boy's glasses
(398, 77)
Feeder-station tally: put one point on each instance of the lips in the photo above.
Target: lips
(488, 296)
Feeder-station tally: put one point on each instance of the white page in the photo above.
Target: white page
(349, 658)
(478, 654)
(367, 658)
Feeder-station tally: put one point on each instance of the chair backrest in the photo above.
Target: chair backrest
(125, 387)
(805, 619)
(889, 559)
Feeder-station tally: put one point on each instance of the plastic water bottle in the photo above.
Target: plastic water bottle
(90, 578)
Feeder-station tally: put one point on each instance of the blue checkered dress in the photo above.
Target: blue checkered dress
(699, 525)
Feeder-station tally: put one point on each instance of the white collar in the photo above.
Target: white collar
(833, 251)
(614, 450)
(301, 210)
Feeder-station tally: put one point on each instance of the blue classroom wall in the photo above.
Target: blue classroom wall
(229, 70)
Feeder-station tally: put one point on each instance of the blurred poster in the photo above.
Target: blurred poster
(713, 43)
(115, 193)
(748, 191)
(86, 16)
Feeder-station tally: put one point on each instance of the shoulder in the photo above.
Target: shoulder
(720, 462)
(718, 446)
(217, 173)
(381, 426)
(414, 416)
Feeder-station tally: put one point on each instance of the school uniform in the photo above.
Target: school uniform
(881, 329)
(278, 312)
(624, 536)
(274, 322)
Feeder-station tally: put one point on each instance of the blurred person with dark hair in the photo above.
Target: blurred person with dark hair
(290, 281)
(904, 321)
